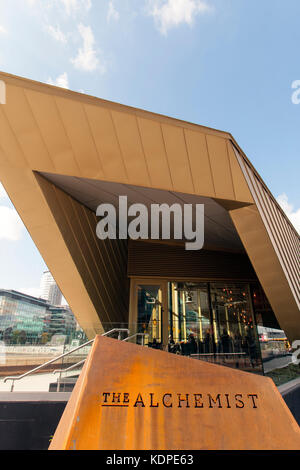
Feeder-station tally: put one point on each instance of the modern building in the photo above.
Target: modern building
(23, 318)
(61, 321)
(49, 289)
(28, 320)
(63, 154)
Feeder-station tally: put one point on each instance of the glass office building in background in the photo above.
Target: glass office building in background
(49, 289)
(29, 320)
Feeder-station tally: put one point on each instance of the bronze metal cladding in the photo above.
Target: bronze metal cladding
(102, 265)
(141, 404)
(273, 248)
(175, 262)
(50, 130)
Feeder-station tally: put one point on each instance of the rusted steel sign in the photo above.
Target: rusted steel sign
(134, 398)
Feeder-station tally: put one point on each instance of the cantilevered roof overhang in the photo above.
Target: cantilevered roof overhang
(51, 131)
(219, 231)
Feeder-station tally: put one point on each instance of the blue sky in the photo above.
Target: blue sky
(229, 64)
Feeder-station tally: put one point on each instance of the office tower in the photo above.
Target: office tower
(49, 289)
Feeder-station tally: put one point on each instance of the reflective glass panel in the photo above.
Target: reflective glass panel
(214, 322)
(149, 298)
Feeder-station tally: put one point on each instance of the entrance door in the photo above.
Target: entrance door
(149, 313)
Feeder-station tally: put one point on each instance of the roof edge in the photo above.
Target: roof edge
(93, 100)
(89, 99)
(246, 159)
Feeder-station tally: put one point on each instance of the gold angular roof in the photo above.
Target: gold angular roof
(46, 129)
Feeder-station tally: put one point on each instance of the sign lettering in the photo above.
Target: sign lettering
(179, 400)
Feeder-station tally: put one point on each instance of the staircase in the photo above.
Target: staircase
(65, 383)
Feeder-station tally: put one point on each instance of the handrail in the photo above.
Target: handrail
(19, 377)
(81, 362)
(69, 368)
(65, 370)
(133, 336)
(220, 354)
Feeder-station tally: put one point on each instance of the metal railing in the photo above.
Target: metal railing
(134, 336)
(19, 377)
(73, 366)
(60, 371)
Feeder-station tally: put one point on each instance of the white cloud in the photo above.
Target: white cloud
(62, 81)
(112, 13)
(11, 226)
(87, 58)
(2, 30)
(170, 13)
(293, 214)
(74, 6)
(71, 7)
(56, 33)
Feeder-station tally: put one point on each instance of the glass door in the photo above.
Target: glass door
(189, 318)
(148, 309)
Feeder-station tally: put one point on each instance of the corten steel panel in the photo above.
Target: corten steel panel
(201, 406)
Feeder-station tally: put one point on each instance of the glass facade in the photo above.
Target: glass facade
(29, 320)
(214, 322)
(32, 331)
(61, 321)
(276, 351)
(22, 318)
(150, 313)
(223, 322)
(211, 321)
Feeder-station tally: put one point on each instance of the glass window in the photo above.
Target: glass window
(149, 300)
(189, 315)
(214, 322)
(276, 351)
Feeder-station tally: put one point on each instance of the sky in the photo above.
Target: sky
(232, 65)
